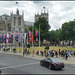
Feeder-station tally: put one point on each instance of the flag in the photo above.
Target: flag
(19, 37)
(4, 35)
(36, 32)
(19, 34)
(16, 37)
(7, 38)
(4, 38)
(24, 37)
(23, 33)
(37, 36)
(0, 38)
(10, 35)
(14, 33)
(30, 37)
(11, 38)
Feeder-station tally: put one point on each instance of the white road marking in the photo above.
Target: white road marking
(19, 65)
(73, 65)
(2, 64)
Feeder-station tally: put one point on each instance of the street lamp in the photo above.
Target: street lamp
(66, 31)
(74, 31)
(39, 39)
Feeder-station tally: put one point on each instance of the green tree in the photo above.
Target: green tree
(59, 34)
(52, 36)
(30, 28)
(44, 27)
(68, 30)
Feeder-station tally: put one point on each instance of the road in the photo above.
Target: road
(15, 64)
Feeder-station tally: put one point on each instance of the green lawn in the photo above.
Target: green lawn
(53, 47)
(42, 48)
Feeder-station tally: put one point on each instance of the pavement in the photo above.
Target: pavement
(70, 60)
(16, 63)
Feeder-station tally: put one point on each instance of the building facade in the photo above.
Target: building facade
(45, 15)
(14, 22)
(17, 22)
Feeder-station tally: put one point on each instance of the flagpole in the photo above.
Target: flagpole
(3, 40)
(27, 41)
(39, 39)
(14, 39)
(10, 44)
(18, 42)
(22, 42)
(17, 4)
(32, 38)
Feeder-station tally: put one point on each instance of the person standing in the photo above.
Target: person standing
(74, 53)
(59, 53)
(45, 53)
(66, 56)
(56, 54)
(32, 52)
(68, 53)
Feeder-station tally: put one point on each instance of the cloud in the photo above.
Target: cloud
(59, 11)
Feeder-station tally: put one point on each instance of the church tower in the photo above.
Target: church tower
(43, 14)
(17, 22)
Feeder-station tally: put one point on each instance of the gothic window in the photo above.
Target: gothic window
(19, 20)
(14, 21)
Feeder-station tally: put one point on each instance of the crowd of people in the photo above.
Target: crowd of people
(61, 53)
(48, 53)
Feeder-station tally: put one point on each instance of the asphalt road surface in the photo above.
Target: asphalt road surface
(15, 64)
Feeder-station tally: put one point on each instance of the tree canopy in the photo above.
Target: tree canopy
(44, 27)
(66, 32)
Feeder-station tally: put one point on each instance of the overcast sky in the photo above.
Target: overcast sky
(59, 11)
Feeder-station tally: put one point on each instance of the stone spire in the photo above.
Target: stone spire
(23, 13)
(11, 13)
(17, 12)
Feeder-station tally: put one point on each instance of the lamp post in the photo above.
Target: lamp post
(32, 38)
(74, 32)
(39, 39)
(27, 42)
(66, 31)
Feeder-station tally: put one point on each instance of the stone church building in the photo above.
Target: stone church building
(14, 22)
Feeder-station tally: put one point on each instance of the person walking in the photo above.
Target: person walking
(74, 53)
(32, 52)
(66, 56)
(69, 54)
(56, 54)
(59, 53)
(45, 53)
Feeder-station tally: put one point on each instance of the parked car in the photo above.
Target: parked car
(52, 63)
